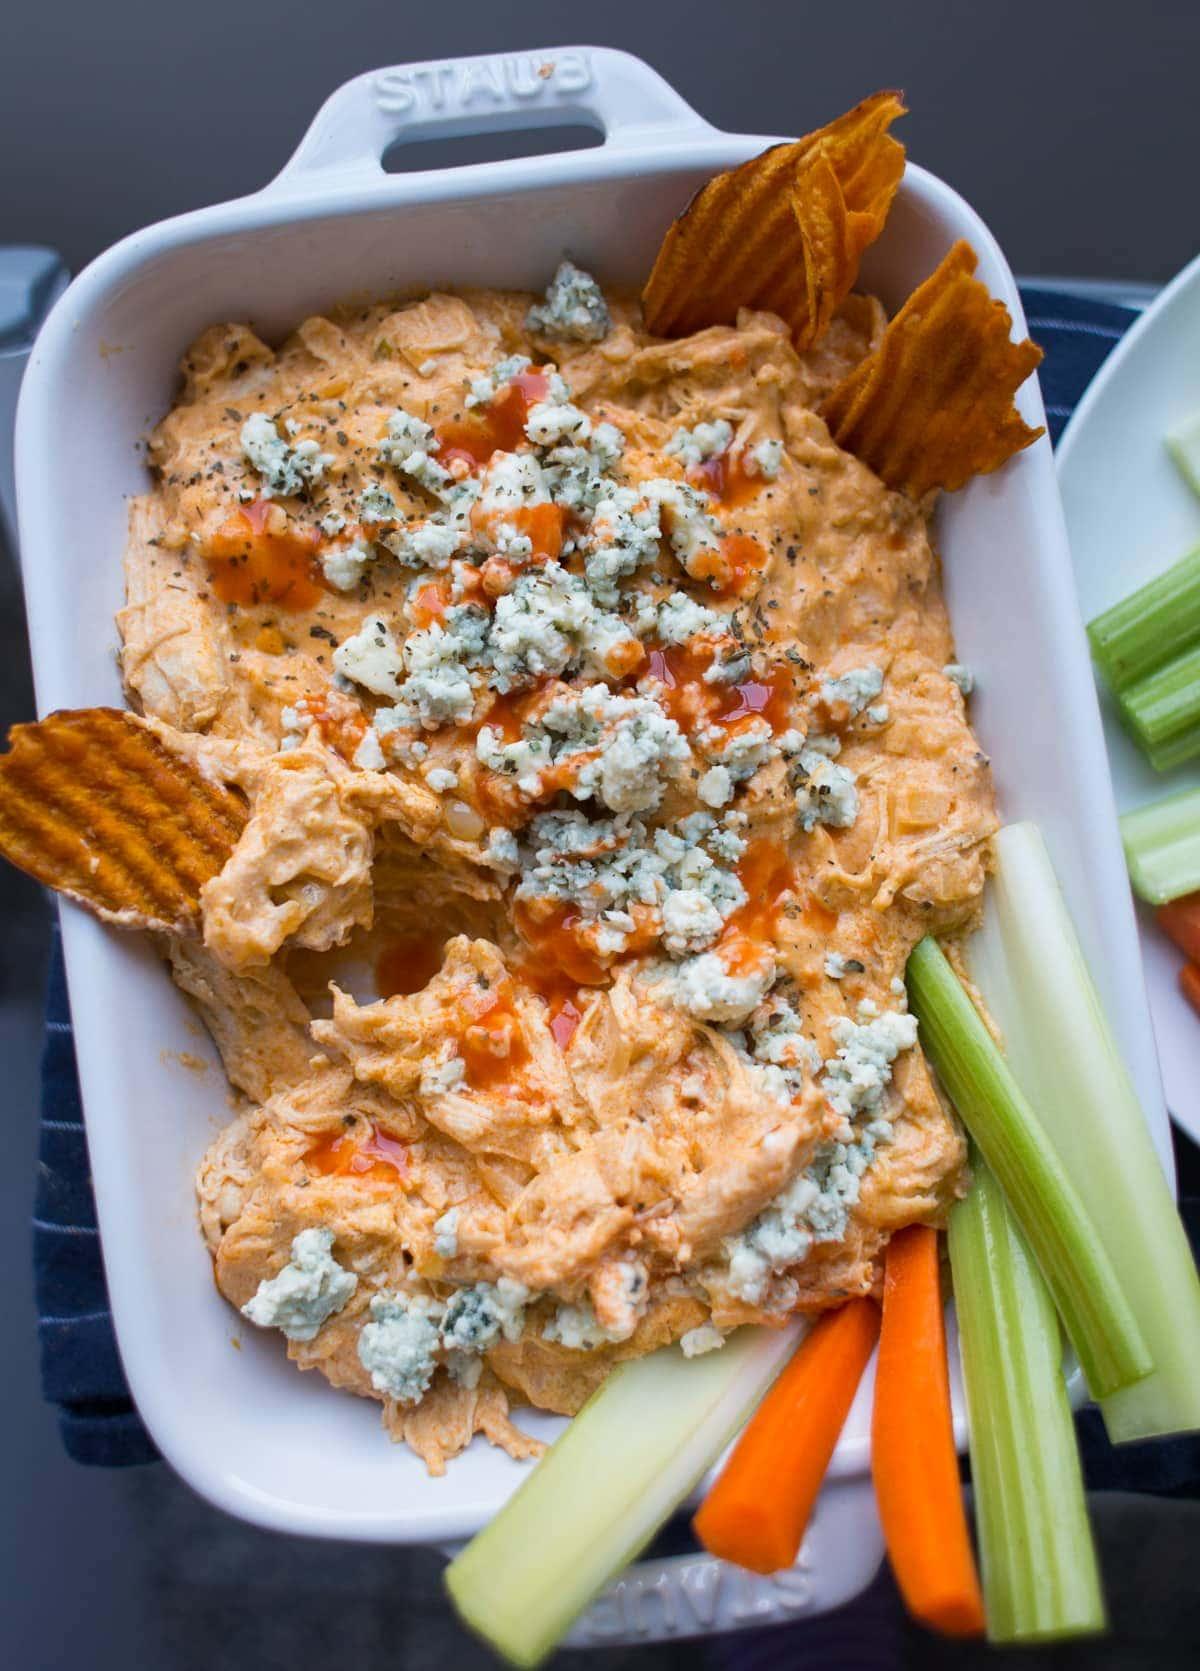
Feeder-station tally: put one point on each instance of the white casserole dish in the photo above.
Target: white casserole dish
(241, 1426)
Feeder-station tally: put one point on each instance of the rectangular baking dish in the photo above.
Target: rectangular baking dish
(228, 1412)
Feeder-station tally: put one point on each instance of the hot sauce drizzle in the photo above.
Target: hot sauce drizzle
(493, 1044)
(499, 427)
(338, 718)
(565, 1017)
(561, 993)
(553, 938)
(766, 873)
(730, 567)
(343, 1154)
(691, 702)
(259, 557)
(725, 479)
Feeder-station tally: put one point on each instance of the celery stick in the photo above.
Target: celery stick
(1162, 711)
(1183, 444)
(1162, 847)
(594, 1501)
(1150, 626)
(1097, 1316)
(1034, 981)
(1037, 1560)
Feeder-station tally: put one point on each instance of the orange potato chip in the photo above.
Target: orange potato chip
(784, 232)
(95, 805)
(932, 405)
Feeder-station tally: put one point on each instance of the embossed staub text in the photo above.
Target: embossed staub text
(473, 84)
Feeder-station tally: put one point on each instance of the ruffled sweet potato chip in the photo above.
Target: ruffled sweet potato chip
(95, 805)
(932, 405)
(785, 232)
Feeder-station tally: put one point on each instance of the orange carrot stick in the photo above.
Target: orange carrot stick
(1189, 985)
(1181, 920)
(913, 1458)
(756, 1512)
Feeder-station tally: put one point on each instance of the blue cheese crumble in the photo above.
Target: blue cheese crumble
(628, 749)
(553, 423)
(707, 990)
(825, 793)
(960, 676)
(604, 867)
(624, 536)
(859, 1073)
(371, 658)
(815, 1206)
(426, 545)
(375, 504)
(483, 390)
(445, 1235)
(501, 851)
(548, 623)
(479, 1315)
(696, 446)
(409, 1334)
(677, 618)
(703, 1338)
(345, 565)
(574, 309)
(766, 459)
(285, 467)
(740, 753)
(855, 689)
(408, 446)
(784, 1056)
(694, 531)
(397, 1347)
(576, 1327)
(438, 1078)
(441, 672)
(307, 1291)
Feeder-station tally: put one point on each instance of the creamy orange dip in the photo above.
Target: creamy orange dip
(605, 757)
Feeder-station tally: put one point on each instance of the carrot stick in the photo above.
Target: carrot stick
(913, 1459)
(1181, 920)
(1189, 985)
(756, 1513)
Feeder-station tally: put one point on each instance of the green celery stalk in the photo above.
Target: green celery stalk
(1077, 1269)
(1036, 1555)
(1183, 444)
(1031, 973)
(632, 1454)
(1156, 622)
(1162, 711)
(1162, 847)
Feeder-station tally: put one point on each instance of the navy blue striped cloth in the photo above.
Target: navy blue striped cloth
(81, 1369)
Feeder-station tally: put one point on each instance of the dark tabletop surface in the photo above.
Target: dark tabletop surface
(1073, 127)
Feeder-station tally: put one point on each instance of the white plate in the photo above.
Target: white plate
(242, 1426)
(1130, 514)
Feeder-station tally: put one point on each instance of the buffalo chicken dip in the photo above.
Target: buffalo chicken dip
(605, 754)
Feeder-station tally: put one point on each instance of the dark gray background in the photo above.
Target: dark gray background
(1074, 128)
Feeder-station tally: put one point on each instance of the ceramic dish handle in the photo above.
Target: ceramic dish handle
(596, 86)
(698, 1595)
(680, 1596)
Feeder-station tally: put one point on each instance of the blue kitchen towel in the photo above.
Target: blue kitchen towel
(1078, 333)
(81, 1370)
